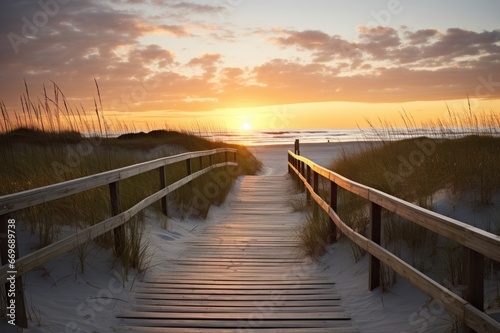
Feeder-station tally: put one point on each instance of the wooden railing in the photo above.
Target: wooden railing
(476, 243)
(17, 201)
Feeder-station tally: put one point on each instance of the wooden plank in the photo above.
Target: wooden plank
(137, 329)
(239, 303)
(246, 265)
(263, 297)
(269, 315)
(332, 307)
(241, 291)
(228, 287)
(240, 324)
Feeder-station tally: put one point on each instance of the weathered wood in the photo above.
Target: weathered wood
(245, 265)
(333, 204)
(118, 232)
(338, 329)
(316, 190)
(39, 257)
(308, 180)
(375, 232)
(188, 166)
(13, 202)
(473, 273)
(236, 325)
(163, 184)
(474, 238)
(471, 316)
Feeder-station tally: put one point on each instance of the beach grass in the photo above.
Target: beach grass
(458, 169)
(51, 141)
(454, 165)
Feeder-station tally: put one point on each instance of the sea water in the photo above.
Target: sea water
(288, 136)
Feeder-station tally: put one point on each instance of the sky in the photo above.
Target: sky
(254, 64)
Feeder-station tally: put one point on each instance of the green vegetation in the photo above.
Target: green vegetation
(460, 169)
(457, 163)
(415, 169)
(46, 144)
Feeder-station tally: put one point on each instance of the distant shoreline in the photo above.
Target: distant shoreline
(274, 157)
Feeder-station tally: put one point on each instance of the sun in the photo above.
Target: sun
(246, 126)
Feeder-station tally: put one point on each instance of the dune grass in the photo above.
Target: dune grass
(52, 141)
(457, 159)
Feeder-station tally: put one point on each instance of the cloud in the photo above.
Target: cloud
(106, 40)
(324, 47)
(194, 7)
(391, 45)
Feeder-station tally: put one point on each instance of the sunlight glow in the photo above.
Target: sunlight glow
(246, 126)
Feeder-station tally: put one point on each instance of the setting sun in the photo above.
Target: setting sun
(246, 126)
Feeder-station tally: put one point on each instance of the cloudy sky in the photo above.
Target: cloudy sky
(274, 63)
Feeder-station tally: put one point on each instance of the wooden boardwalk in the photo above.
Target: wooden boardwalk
(244, 274)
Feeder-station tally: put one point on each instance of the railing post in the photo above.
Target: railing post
(302, 170)
(289, 162)
(17, 297)
(473, 272)
(296, 148)
(163, 184)
(188, 166)
(333, 204)
(201, 162)
(118, 232)
(375, 231)
(308, 179)
(315, 188)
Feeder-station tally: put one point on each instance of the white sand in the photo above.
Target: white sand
(404, 308)
(60, 297)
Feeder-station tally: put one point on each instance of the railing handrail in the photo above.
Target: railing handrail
(20, 200)
(470, 237)
(16, 201)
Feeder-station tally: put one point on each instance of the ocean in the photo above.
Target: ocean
(280, 137)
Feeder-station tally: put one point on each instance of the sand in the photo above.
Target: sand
(61, 298)
(404, 308)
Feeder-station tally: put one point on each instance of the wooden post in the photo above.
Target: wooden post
(296, 148)
(315, 188)
(289, 161)
(17, 297)
(333, 204)
(302, 170)
(118, 232)
(163, 184)
(473, 272)
(188, 166)
(308, 178)
(201, 162)
(375, 231)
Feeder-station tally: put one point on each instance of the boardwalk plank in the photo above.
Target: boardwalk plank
(244, 273)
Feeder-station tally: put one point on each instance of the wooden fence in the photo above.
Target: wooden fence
(17, 201)
(476, 243)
